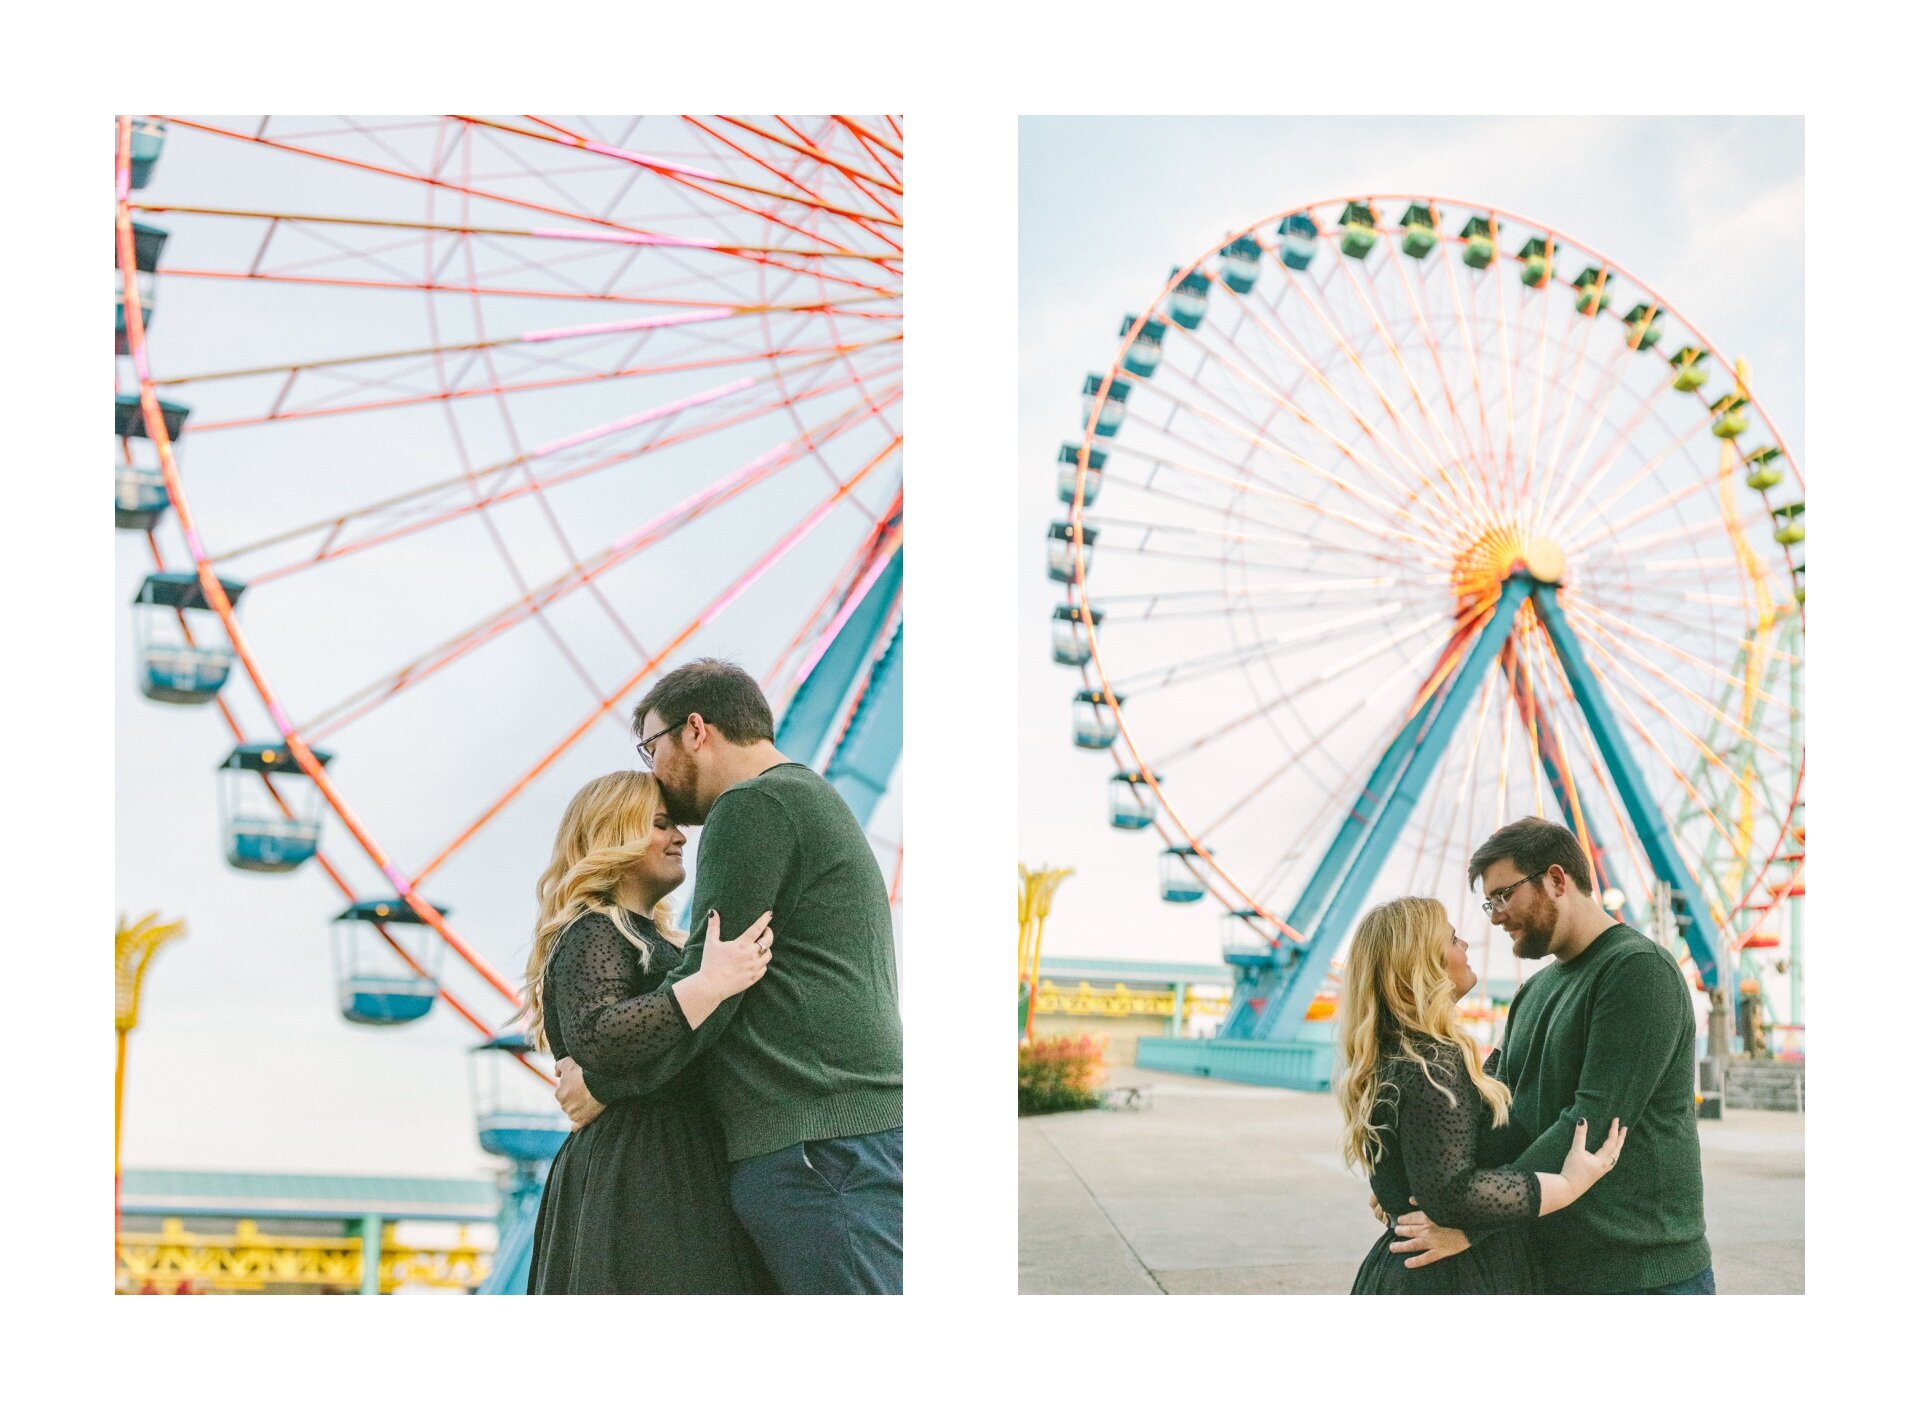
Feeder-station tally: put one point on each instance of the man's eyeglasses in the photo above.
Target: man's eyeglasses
(645, 746)
(1497, 900)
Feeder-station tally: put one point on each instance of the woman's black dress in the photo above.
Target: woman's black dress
(636, 1202)
(1432, 1148)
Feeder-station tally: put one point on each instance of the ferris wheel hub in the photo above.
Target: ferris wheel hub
(1540, 558)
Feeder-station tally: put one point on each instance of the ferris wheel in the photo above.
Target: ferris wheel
(1396, 518)
(443, 436)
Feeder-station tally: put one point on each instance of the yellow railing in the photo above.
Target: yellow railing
(248, 1261)
(1121, 1002)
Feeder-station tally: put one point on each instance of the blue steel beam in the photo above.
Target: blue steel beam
(1696, 926)
(1553, 755)
(1255, 988)
(867, 753)
(1287, 1010)
(818, 702)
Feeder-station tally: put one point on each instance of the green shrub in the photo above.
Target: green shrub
(1061, 1074)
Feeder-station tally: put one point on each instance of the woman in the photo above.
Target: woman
(1414, 1104)
(636, 1202)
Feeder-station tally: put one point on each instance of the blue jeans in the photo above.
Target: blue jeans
(1699, 1283)
(826, 1215)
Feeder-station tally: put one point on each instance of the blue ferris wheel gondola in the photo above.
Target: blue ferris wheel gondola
(262, 841)
(1179, 882)
(139, 489)
(145, 143)
(1299, 240)
(148, 241)
(1112, 411)
(1095, 726)
(1072, 642)
(1187, 302)
(514, 1118)
(1062, 535)
(1131, 804)
(376, 987)
(175, 669)
(1240, 264)
(1247, 940)
(1068, 478)
(1143, 354)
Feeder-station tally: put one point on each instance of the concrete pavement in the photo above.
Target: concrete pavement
(1221, 1188)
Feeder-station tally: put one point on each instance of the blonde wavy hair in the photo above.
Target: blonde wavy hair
(1395, 991)
(606, 829)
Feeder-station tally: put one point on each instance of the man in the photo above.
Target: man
(1605, 1031)
(804, 1068)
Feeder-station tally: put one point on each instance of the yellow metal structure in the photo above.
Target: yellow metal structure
(134, 947)
(248, 1261)
(1118, 1001)
(1036, 903)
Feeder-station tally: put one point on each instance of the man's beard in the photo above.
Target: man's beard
(682, 806)
(1536, 936)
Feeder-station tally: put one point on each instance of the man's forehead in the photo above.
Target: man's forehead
(1498, 874)
(651, 724)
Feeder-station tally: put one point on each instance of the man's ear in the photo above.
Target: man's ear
(699, 727)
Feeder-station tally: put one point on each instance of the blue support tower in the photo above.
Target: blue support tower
(1288, 1010)
(1261, 1038)
(866, 755)
(1695, 919)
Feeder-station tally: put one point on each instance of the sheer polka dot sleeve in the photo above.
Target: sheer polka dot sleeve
(596, 983)
(1437, 1139)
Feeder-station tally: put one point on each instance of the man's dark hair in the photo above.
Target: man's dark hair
(719, 692)
(1534, 844)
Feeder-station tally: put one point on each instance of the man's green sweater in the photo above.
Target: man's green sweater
(1609, 1033)
(811, 1052)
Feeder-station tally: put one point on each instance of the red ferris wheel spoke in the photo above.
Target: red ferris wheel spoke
(1421, 629)
(821, 354)
(1267, 487)
(1465, 499)
(332, 526)
(1417, 305)
(1406, 490)
(1183, 672)
(862, 182)
(673, 171)
(1620, 632)
(530, 604)
(1404, 442)
(704, 618)
(641, 240)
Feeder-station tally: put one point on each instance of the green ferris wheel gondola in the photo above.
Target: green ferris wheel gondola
(1593, 290)
(1690, 368)
(1730, 416)
(1643, 327)
(1421, 236)
(1536, 263)
(1358, 229)
(1476, 241)
(1762, 471)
